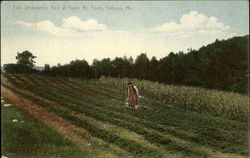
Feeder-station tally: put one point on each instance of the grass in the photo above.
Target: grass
(31, 138)
(170, 129)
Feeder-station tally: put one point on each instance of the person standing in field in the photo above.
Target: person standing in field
(132, 95)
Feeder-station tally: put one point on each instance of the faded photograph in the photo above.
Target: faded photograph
(124, 79)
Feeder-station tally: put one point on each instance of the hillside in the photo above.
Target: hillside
(221, 65)
(95, 116)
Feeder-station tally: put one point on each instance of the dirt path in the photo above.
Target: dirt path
(78, 135)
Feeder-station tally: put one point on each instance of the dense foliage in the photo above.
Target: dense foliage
(25, 64)
(220, 65)
(77, 68)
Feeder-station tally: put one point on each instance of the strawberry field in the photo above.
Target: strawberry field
(98, 119)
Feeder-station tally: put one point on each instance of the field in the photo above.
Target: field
(93, 116)
(20, 140)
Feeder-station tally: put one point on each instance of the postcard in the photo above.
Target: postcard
(111, 79)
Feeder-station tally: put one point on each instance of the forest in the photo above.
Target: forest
(221, 65)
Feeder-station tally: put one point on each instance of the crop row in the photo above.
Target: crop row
(108, 137)
(218, 103)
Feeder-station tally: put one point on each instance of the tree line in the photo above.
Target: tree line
(222, 65)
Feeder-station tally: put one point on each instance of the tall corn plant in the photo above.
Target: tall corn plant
(218, 103)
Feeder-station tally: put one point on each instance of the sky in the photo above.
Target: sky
(62, 31)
